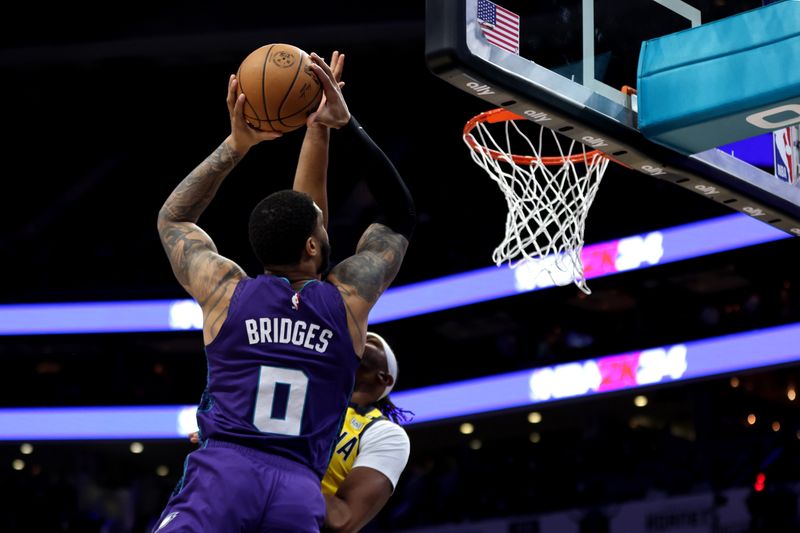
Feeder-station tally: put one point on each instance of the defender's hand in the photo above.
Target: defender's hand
(337, 66)
(243, 136)
(333, 110)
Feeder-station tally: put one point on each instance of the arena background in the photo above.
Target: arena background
(107, 106)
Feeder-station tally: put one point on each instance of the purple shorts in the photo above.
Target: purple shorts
(227, 487)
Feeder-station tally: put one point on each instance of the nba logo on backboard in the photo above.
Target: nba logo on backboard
(787, 155)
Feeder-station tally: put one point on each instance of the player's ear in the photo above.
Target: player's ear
(312, 246)
(386, 378)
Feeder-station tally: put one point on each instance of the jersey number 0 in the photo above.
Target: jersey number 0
(280, 400)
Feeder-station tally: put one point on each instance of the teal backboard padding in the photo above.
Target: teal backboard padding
(722, 82)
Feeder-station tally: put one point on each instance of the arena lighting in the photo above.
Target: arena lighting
(90, 423)
(761, 480)
(466, 428)
(602, 259)
(628, 371)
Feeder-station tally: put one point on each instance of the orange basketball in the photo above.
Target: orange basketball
(280, 87)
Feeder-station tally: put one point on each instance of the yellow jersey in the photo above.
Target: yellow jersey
(356, 421)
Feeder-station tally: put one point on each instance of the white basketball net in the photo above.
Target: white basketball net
(547, 206)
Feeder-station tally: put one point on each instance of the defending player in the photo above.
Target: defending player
(372, 449)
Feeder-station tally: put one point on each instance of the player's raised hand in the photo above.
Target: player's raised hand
(243, 136)
(337, 67)
(332, 111)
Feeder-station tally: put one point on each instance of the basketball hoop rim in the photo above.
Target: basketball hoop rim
(499, 114)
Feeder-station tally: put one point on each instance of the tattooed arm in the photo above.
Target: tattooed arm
(206, 275)
(363, 277)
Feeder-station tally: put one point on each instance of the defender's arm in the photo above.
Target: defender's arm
(311, 176)
(361, 496)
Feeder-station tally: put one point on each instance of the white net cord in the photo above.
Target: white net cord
(547, 207)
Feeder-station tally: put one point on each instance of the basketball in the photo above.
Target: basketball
(280, 87)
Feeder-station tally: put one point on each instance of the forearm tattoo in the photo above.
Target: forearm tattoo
(192, 195)
(186, 244)
(378, 258)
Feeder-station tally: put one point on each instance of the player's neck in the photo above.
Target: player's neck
(297, 275)
(362, 399)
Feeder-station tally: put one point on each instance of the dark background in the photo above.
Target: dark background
(107, 107)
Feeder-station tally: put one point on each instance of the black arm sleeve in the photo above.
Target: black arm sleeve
(384, 182)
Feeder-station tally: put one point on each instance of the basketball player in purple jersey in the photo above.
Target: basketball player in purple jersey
(282, 347)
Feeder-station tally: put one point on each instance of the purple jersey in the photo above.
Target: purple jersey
(280, 371)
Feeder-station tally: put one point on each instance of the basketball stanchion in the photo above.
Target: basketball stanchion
(548, 198)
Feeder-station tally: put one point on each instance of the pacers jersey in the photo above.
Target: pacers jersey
(280, 371)
(346, 448)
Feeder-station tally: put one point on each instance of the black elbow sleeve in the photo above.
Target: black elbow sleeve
(385, 183)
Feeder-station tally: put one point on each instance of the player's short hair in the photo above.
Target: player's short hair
(279, 226)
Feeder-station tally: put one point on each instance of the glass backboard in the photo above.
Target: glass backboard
(564, 63)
